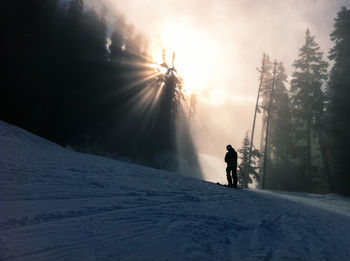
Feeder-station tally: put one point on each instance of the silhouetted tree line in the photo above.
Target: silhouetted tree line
(310, 123)
(71, 76)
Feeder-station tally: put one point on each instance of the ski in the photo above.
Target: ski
(224, 185)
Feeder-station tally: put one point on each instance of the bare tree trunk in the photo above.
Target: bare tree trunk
(256, 109)
(308, 172)
(267, 125)
(263, 129)
(324, 154)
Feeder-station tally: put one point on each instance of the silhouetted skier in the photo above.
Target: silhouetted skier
(231, 160)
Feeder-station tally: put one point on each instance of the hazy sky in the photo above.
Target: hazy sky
(221, 43)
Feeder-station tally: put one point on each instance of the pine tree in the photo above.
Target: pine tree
(339, 92)
(281, 125)
(308, 100)
(247, 170)
(169, 85)
(281, 137)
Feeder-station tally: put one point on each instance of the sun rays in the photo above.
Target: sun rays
(194, 50)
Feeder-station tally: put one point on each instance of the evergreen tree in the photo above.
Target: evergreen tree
(169, 87)
(28, 33)
(308, 101)
(127, 87)
(247, 170)
(281, 169)
(339, 92)
(281, 137)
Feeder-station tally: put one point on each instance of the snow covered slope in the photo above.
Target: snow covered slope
(56, 204)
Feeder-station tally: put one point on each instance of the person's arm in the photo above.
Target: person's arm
(226, 158)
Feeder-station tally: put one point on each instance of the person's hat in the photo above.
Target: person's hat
(228, 147)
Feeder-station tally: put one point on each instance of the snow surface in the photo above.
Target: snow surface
(57, 204)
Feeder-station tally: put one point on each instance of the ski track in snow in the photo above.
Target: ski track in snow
(57, 204)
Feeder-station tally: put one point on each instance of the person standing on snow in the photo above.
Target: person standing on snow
(231, 160)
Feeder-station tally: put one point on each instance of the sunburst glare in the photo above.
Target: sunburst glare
(195, 54)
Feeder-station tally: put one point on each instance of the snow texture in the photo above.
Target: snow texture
(57, 204)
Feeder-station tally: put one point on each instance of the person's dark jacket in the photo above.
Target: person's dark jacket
(231, 158)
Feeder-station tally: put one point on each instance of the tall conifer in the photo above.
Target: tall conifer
(339, 92)
(308, 100)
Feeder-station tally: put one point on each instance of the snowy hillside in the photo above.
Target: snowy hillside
(56, 204)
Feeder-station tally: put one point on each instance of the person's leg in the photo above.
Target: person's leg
(234, 177)
(228, 175)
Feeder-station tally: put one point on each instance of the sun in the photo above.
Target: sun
(194, 54)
